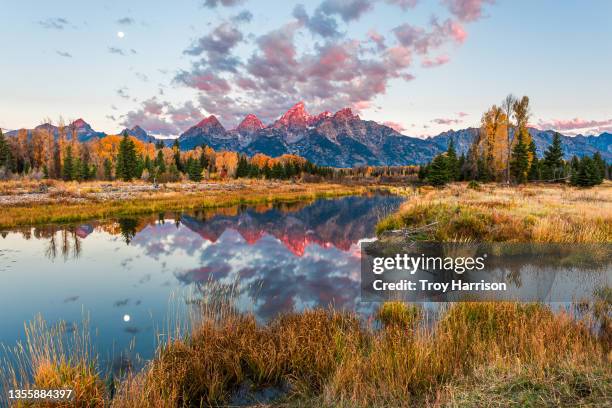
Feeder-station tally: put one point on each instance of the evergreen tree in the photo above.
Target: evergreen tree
(553, 165)
(535, 170)
(108, 169)
(160, 163)
(601, 167)
(68, 170)
(177, 155)
(126, 167)
(194, 170)
(451, 161)
(242, 170)
(6, 159)
(588, 173)
(519, 165)
(437, 171)
(159, 145)
(460, 167)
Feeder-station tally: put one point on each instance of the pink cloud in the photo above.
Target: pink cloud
(462, 114)
(576, 125)
(398, 127)
(467, 10)
(446, 121)
(435, 62)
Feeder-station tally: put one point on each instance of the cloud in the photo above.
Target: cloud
(467, 10)
(126, 21)
(446, 121)
(319, 23)
(162, 118)
(462, 114)
(123, 92)
(276, 69)
(217, 47)
(435, 62)
(348, 10)
(577, 125)
(424, 41)
(57, 23)
(225, 3)
(403, 4)
(64, 54)
(398, 127)
(244, 16)
(117, 51)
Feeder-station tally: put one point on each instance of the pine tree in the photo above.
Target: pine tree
(194, 170)
(108, 169)
(553, 164)
(242, 170)
(601, 167)
(68, 170)
(126, 167)
(519, 165)
(452, 162)
(589, 173)
(437, 172)
(177, 155)
(160, 163)
(6, 159)
(535, 170)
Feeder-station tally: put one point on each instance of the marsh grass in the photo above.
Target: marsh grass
(494, 213)
(70, 202)
(54, 357)
(511, 354)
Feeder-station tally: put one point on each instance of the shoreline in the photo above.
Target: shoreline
(60, 203)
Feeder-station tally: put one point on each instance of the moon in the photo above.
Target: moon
(120, 34)
(126, 318)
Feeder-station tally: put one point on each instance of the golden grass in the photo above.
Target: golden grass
(531, 213)
(53, 358)
(71, 202)
(509, 353)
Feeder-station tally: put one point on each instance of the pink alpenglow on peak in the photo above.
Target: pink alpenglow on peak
(294, 117)
(210, 121)
(79, 123)
(345, 114)
(250, 123)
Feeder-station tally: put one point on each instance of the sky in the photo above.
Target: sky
(422, 67)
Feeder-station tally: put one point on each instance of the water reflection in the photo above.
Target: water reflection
(284, 256)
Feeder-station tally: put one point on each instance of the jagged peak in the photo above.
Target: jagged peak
(295, 116)
(346, 113)
(79, 123)
(250, 123)
(209, 121)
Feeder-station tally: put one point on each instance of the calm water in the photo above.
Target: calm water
(285, 257)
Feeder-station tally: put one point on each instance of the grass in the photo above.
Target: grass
(475, 354)
(71, 202)
(494, 213)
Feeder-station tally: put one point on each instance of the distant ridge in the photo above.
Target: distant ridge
(340, 139)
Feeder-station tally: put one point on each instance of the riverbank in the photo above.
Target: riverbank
(32, 203)
(463, 212)
(474, 354)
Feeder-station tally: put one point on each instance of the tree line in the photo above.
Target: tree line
(43, 155)
(504, 151)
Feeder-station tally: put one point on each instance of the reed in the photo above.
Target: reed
(494, 213)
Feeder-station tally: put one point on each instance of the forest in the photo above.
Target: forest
(504, 151)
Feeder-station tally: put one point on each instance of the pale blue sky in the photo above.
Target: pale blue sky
(58, 59)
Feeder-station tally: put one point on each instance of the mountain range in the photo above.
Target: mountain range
(340, 139)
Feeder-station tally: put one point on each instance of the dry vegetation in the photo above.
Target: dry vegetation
(490, 212)
(476, 354)
(29, 203)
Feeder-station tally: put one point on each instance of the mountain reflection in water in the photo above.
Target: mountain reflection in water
(284, 257)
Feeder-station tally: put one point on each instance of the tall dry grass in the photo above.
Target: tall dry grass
(72, 201)
(530, 213)
(324, 357)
